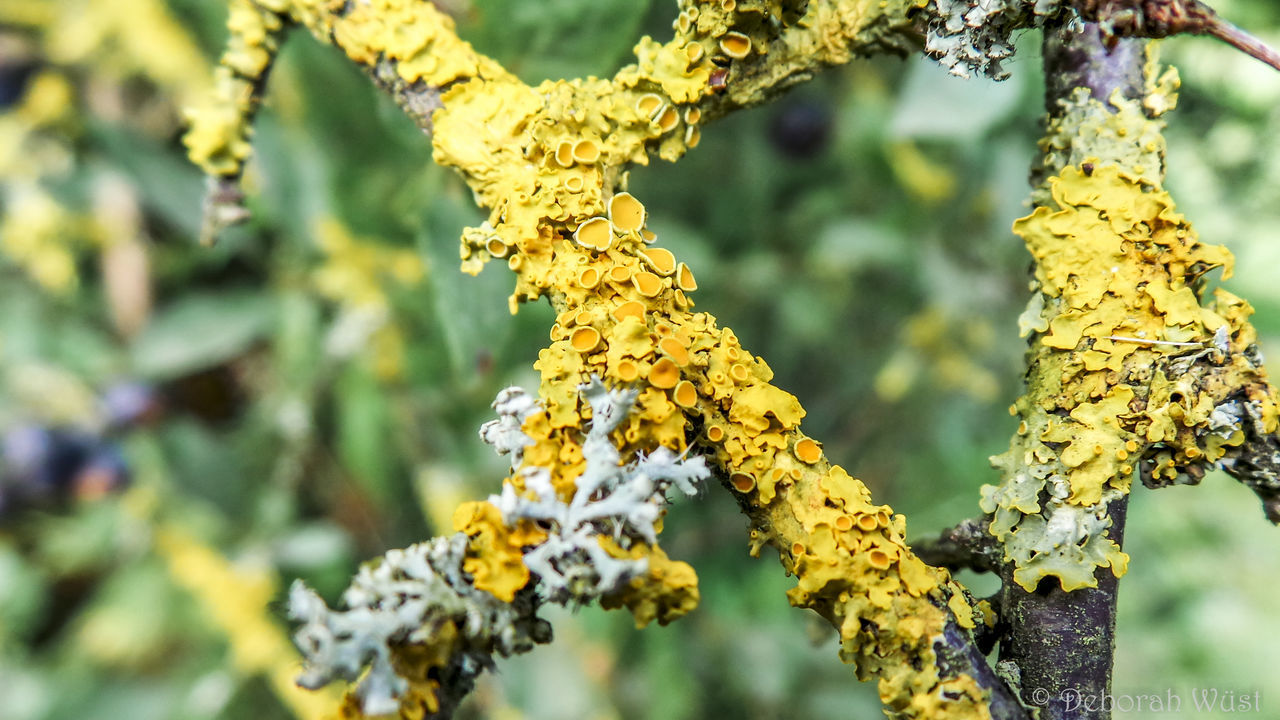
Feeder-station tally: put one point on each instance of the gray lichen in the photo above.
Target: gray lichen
(402, 599)
(611, 499)
(968, 36)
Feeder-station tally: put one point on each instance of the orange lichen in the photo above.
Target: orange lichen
(736, 45)
(497, 248)
(564, 154)
(585, 339)
(661, 261)
(684, 278)
(648, 105)
(664, 374)
(627, 371)
(879, 559)
(808, 451)
(588, 278)
(685, 395)
(586, 151)
(668, 119)
(631, 308)
(675, 350)
(647, 283)
(620, 273)
(626, 213)
(694, 51)
(594, 234)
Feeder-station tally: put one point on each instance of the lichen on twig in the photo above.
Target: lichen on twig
(421, 623)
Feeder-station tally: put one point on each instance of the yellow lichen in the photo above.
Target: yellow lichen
(1123, 322)
(626, 213)
(570, 235)
(495, 558)
(667, 592)
(585, 339)
(735, 44)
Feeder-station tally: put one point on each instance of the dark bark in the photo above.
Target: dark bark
(1064, 642)
(1080, 58)
(957, 654)
(967, 546)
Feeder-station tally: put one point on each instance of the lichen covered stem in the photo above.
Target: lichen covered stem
(721, 59)
(1063, 642)
(954, 654)
(900, 621)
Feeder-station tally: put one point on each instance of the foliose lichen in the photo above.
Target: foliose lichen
(968, 36)
(1134, 366)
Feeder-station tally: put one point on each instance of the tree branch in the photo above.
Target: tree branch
(1057, 602)
(546, 163)
(1114, 369)
(969, 546)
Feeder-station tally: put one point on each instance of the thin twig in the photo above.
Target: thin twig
(969, 545)
(1157, 19)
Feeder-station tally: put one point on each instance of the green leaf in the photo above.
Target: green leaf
(202, 330)
(364, 431)
(472, 311)
(529, 37)
(934, 104)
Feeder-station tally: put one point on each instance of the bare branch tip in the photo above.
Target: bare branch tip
(1166, 18)
(223, 208)
(1244, 42)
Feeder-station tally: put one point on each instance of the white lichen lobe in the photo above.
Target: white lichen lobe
(968, 36)
(611, 500)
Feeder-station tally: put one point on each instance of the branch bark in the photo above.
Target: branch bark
(1063, 643)
(546, 161)
(967, 546)
(1157, 19)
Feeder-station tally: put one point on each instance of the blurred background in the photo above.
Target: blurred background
(185, 430)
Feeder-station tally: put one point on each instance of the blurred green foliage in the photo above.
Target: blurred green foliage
(322, 400)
